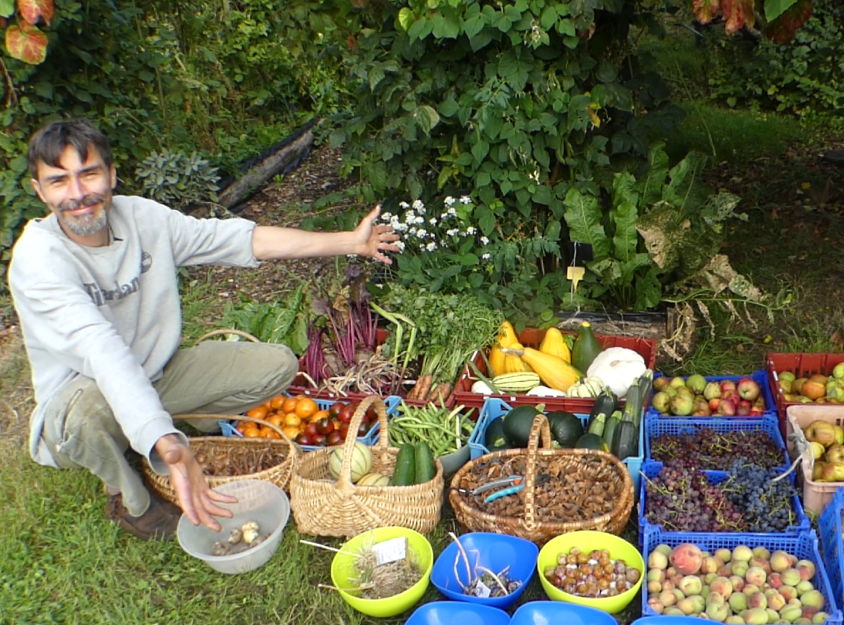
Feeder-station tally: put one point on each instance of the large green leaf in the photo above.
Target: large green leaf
(624, 214)
(775, 8)
(583, 217)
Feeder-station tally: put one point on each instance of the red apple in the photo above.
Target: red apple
(727, 385)
(748, 389)
(743, 408)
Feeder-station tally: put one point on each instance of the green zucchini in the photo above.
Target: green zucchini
(596, 426)
(404, 473)
(609, 427)
(625, 439)
(424, 462)
(605, 402)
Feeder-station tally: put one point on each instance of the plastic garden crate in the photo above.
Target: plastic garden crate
(657, 426)
(391, 402)
(816, 494)
(532, 337)
(832, 550)
(760, 377)
(493, 409)
(802, 365)
(651, 469)
(803, 546)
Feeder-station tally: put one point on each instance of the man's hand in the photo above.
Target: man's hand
(196, 498)
(376, 238)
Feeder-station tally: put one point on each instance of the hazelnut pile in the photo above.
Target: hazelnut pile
(591, 574)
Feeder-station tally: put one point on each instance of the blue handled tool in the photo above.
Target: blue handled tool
(507, 485)
(505, 491)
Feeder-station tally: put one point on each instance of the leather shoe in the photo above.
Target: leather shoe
(157, 523)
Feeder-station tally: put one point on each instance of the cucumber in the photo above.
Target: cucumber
(424, 461)
(405, 472)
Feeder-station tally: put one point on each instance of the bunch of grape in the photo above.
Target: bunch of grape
(712, 450)
(681, 498)
(766, 505)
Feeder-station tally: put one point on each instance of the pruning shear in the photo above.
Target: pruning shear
(506, 485)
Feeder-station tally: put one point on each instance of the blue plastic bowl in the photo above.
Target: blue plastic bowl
(454, 612)
(543, 612)
(491, 551)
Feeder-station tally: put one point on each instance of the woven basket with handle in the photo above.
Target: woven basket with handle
(324, 506)
(593, 471)
(222, 451)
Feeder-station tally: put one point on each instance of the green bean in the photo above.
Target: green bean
(443, 429)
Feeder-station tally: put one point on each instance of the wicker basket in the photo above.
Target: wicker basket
(214, 448)
(323, 506)
(588, 465)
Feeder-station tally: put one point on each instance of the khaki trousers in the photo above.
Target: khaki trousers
(215, 377)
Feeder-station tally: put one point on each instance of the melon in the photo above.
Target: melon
(361, 461)
(373, 479)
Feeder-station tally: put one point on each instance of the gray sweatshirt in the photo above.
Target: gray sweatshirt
(113, 313)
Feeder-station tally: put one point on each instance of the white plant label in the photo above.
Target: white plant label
(390, 550)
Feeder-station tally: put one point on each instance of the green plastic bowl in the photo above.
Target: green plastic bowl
(343, 571)
(588, 540)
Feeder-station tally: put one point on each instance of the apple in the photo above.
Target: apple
(748, 388)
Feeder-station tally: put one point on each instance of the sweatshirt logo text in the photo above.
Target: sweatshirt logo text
(100, 296)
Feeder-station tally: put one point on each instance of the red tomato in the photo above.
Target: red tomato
(334, 438)
(325, 426)
(304, 439)
(346, 413)
(363, 428)
(318, 440)
(335, 408)
(311, 429)
(343, 428)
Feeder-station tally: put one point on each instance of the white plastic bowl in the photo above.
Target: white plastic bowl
(257, 500)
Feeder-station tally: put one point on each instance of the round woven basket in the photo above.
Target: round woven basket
(587, 467)
(323, 506)
(224, 453)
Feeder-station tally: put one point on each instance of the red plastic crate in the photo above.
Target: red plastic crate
(803, 365)
(532, 337)
(301, 386)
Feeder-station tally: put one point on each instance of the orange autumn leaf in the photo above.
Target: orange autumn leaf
(706, 10)
(33, 10)
(26, 43)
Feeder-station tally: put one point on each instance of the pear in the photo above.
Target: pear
(835, 454)
(817, 450)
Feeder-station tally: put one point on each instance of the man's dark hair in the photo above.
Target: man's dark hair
(47, 144)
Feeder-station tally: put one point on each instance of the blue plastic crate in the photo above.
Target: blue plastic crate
(803, 545)
(391, 403)
(657, 426)
(832, 550)
(760, 377)
(652, 469)
(494, 408)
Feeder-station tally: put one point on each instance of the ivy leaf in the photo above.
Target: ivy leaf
(26, 43)
(33, 10)
(706, 10)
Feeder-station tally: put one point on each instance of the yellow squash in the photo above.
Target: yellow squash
(553, 370)
(513, 363)
(497, 358)
(554, 343)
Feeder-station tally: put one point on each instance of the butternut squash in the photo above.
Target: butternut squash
(553, 370)
(554, 343)
(513, 362)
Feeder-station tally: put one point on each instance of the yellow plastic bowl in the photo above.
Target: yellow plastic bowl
(343, 571)
(587, 541)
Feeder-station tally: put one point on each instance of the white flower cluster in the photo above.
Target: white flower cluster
(423, 230)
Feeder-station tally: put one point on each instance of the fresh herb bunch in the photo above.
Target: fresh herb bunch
(449, 328)
(283, 321)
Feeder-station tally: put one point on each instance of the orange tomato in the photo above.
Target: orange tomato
(271, 433)
(258, 412)
(276, 419)
(292, 419)
(277, 402)
(291, 431)
(319, 414)
(306, 407)
(289, 404)
(251, 431)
